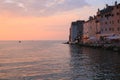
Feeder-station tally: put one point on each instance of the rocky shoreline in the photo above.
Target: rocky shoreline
(106, 46)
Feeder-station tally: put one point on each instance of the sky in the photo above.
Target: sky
(44, 19)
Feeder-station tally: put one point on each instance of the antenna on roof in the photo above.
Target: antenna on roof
(115, 3)
(106, 5)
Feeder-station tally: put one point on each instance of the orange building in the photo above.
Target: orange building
(110, 19)
(91, 29)
(105, 24)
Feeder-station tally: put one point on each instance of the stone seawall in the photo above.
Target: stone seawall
(112, 47)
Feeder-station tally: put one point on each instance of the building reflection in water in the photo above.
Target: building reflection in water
(94, 64)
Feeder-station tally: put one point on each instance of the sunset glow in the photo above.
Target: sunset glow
(42, 20)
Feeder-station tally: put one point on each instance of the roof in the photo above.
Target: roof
(106, 10)
(78, 22)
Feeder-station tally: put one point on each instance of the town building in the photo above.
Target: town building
(109, 18)
(91, 30)
(105, 24)
(76, 31)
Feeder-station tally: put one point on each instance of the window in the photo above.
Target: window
(105, 29)
(112, 15)
(105, 22)
(101, 16)
(112, 29)
(117, 7)
(118, 28)
(101, 30)
(112, 22)
(109, 29)
(118, 21)
(117, 13)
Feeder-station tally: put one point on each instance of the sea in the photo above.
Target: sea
(53, 60)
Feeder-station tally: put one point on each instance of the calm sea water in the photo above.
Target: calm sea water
(52, 60)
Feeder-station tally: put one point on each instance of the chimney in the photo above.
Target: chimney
(90, 18)
(106, 5)
(98, 10)
(115, 3)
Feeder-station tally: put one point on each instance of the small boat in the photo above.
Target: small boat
(19, 41)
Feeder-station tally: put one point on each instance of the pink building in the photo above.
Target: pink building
(109, 19)
(105, 23)
(91, 30)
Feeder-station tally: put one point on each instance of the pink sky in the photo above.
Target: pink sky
(36, 28)
(39, 19)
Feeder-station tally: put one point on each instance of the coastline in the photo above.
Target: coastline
(99, 31)
(111, 47)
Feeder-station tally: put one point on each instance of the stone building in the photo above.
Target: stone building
(76, 31)
(104, 24)
(109, 18)
(91, 29)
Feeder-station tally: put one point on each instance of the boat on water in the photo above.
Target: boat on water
(19, 41)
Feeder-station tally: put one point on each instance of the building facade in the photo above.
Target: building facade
(76, 31)
(91, 29)
(105, 23)
(109, 18)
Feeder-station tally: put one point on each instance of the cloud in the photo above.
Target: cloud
(40, 7)
(9, 1)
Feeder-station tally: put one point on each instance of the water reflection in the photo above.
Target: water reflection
(55, 61)
(94, 64)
